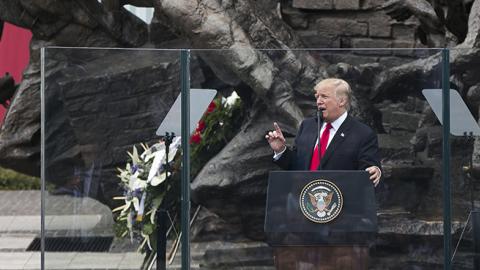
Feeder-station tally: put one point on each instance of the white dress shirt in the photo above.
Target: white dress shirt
(335, 126)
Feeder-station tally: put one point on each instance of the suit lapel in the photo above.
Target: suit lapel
(336, 141)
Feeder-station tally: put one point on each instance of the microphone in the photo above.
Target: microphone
(320, 114)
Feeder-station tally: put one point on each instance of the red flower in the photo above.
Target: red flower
(211, 107)
(200, 126)
(196, 138)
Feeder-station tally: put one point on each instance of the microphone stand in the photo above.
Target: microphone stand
(319, 127)
(161, 214)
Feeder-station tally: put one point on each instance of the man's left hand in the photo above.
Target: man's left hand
(375, 174)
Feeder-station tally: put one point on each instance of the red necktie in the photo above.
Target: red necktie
(323, 147)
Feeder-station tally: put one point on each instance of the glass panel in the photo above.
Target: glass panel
(465, 164)
(231, 160)
(466, 248)
(104, 163)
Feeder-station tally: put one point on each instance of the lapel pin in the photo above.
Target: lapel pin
(343, 135)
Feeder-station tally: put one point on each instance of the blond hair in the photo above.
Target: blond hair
(342, 88)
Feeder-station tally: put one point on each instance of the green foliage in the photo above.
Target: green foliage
(119, 228)
(218, 126)
(12, 180)
(148, 229)
(143, 196)
(221, 125)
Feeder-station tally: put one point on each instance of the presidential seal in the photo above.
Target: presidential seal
(321, 201)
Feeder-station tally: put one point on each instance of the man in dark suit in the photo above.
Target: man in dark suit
(345, 143)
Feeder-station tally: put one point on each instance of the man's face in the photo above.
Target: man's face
(332, 106)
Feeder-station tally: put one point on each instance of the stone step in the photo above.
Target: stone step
(209, 245)
(78, 261)
(195, 258)
(15, 224)
(404, 224)
(253, 268)
(28, 203)
(406, 172)
(70, 260)
(15, 242)
(239, 257)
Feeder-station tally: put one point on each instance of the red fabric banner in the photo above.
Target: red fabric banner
(14, 53)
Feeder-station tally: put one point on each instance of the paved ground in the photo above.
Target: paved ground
(65, 216)
(69, 216)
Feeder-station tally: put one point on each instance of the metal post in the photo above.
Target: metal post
(162, 212)
(447, 236)
(161, 239)
(42, 159)
(185, 199)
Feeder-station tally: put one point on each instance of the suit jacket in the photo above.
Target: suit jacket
(354, 147)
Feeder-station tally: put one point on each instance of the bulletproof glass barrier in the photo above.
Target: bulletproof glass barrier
(465, 217)
(97, 104)
(107, 195)
(245, 201)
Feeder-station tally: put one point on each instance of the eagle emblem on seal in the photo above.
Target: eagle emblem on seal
(321, 201)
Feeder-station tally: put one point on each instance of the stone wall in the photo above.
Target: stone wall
(348, 24)
(99, 104)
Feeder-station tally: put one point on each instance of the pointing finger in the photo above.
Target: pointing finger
(277, 129)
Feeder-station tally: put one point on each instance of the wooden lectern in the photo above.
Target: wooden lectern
(320, 219)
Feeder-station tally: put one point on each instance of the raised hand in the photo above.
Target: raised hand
(275, 139)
